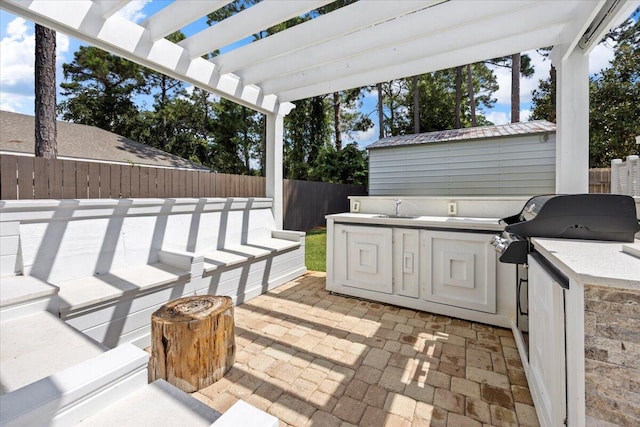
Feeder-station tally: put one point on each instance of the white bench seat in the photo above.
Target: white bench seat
(37, 345)
(16, 290)
(157, 404)
(276, 245)
(87, 291)
(72, 394)
(234, 255)
(24, 295)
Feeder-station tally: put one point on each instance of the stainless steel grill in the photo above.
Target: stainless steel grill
(610, 217)
(578, 216)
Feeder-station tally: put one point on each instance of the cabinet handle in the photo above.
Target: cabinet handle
(407, 262)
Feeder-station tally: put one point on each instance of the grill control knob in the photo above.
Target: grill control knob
(500, 247)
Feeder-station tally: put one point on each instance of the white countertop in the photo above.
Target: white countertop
(593, 262)
(462, 223)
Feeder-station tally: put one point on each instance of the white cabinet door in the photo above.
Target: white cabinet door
(362, 257)
(406, 256)
(546, 345)
(463, 270)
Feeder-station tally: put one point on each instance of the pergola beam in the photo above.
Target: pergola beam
(386, 41)
(178, 15)
(110, 8)
(383, 56)
(572, 33)
(83, 19)
(243, 24)
(349, 19)
(468, 54)
(612, 11)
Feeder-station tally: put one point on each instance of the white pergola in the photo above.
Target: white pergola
(367, 42)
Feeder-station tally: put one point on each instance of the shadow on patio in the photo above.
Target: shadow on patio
(316, 359)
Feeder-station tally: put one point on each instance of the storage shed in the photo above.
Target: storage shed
(506, 160)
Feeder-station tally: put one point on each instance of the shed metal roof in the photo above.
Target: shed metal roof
(81, 142)
(480, 132)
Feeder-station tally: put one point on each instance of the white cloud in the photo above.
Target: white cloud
(601, 57)
(16, 61)
(17, 65)
(373, 93)
(133, 10)
(541, 68)
(17, 103)
(365, 135)
(363, 138)
(502, 118)
(497, 117)
(16, 28)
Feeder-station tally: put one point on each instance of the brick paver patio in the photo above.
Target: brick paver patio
(315, 359)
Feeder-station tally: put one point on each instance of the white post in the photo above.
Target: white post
(634, 175)
(572, 135)
(275, 134)
(616, 165)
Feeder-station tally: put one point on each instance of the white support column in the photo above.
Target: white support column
(275, 134)
(572, 108)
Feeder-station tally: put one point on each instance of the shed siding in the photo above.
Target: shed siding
(513, 166)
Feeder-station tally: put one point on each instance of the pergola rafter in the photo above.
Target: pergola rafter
(350, 19)
(245, 23)
(177, 15)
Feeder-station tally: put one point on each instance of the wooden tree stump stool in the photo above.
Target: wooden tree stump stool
(192, 341)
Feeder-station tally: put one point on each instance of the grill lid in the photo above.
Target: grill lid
(577, 216)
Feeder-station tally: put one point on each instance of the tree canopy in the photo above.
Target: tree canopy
(614, 116)
(112, 93)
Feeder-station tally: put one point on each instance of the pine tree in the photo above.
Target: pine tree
(45, 86)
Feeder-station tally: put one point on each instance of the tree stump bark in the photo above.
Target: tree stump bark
(192, 341)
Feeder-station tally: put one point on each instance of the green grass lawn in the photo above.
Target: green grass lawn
(316, 249)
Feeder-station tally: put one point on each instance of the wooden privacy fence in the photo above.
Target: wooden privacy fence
(305, 203)
(600, 180)
(37, 178)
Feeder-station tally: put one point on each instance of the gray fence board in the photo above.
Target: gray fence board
(305, 203)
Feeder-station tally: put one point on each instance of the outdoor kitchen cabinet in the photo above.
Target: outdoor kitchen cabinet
(439, 271)
(547, 345)
(362, 257)
(380, 259)
(459, 270)
(406, 262)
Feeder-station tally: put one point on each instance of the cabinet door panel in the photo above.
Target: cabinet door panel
(463, 270)
(362, 257)
(406, 253)
(546, 345)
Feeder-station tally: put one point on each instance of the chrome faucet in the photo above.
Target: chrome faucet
(398, 203)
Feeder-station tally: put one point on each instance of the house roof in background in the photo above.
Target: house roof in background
(81, 142)
(481, 132)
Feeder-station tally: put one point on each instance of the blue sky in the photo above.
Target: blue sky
(16, 67)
